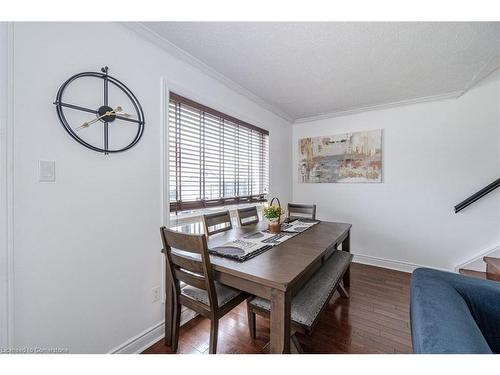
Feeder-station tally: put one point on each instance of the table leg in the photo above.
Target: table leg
(280, 322)
(346, 246)
(169, 309)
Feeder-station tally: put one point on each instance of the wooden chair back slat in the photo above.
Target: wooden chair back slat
(296, 211)
(193, 243)
(212, 220)
(191, 279)
(218, 220)
(189, 264)
(188, 270)
(248, 216)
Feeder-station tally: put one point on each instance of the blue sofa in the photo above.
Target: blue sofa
(452, 313)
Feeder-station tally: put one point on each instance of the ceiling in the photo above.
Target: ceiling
(303, 70)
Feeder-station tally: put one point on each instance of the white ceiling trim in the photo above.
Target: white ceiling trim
(489, 67)
(352, 111)
(172, 49)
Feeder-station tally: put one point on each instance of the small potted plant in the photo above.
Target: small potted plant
(273, 213)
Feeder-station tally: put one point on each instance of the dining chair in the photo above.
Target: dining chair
(201, 293)
(305, 211)
(248, 216)
(217, 222)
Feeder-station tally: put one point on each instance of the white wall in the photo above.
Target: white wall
(4, 295)
(434, 155)
(87, 248)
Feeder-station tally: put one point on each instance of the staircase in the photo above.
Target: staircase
(492, 262)
(492, 270)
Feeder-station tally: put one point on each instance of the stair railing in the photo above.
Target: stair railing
(476, 196)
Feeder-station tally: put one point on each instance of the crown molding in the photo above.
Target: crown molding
(153, 37)
(376, 107)
(488, 68)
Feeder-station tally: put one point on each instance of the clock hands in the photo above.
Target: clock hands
(117, 111)
(88, 123)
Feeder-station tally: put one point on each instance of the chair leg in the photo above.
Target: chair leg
(251, 321)
(343, 292)
(168, 314)
(295, 346)
(176, 326)
(214, 332)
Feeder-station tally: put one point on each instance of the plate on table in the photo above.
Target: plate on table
(228, 250)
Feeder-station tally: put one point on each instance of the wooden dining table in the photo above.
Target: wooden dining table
(276, 274)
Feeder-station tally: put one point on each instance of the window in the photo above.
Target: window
(214, 159)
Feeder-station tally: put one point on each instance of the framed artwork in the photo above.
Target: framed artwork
(348, 157)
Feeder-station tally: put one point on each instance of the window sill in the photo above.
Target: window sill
(191, 222)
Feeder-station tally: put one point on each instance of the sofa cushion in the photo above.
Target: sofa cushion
(451, 313)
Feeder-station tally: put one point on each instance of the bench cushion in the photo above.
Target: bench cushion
(309, 301)
(224, 294)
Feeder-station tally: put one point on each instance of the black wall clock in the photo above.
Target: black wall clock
(109, 114)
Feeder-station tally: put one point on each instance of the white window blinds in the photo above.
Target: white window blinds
(214, 159)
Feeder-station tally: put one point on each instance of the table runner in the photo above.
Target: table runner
(256, 243)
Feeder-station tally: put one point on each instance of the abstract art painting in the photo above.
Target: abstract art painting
(349, 157)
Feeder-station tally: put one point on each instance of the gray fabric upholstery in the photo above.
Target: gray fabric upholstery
(224, 293)
(309, 301)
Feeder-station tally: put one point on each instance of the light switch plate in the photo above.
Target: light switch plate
(47, 171)
(156, 294)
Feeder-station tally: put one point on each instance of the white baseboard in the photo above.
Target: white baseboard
(144, 340)
(391, 264)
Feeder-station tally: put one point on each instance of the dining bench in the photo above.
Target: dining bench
(311, 300)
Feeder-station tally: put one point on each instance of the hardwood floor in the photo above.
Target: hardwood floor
(375, 319)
